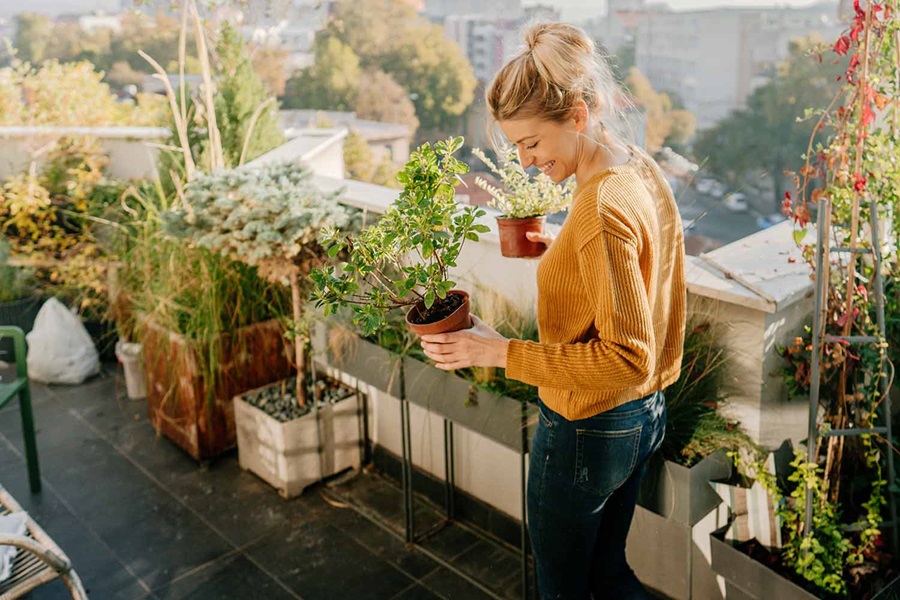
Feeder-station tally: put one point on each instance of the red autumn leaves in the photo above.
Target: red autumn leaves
(851, 119)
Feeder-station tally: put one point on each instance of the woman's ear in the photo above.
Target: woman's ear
(581, 116)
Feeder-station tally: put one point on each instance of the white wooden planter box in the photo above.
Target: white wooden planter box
(291, 456)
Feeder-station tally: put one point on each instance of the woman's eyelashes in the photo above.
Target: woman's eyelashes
(532, 146)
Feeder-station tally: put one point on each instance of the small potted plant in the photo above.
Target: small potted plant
(270, 218)
(524, 202)
(403, 260)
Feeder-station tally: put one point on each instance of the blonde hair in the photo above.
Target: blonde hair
(557, 67)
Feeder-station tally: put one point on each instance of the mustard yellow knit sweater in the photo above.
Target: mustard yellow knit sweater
(611, 296)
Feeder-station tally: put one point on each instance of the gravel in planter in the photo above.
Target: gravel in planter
(280, 402)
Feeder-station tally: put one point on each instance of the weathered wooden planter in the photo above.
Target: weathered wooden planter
(293, 455)
(177, 400)
(669, 521)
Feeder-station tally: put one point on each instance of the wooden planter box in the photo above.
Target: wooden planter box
(291, 456)
(668, 523)
(177, 402)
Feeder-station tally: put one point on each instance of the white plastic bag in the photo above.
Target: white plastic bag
(16, 524)
(59, 347)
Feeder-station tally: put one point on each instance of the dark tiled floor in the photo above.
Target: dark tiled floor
(140, 519)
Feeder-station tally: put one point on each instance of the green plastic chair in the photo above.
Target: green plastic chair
(19, 387)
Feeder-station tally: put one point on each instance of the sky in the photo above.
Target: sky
(576, 10)
(572, 10)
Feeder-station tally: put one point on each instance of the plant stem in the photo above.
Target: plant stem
(861, 85)
(299, 355)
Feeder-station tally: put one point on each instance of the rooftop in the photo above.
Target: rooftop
(141, 520)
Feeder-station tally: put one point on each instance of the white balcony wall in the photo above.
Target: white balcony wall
(482, 467)
(762, 300)
(131, 150)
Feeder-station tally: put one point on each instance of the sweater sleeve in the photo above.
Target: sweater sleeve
(621, 356)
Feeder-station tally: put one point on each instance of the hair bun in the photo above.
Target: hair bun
(533, 34)
(556, 69)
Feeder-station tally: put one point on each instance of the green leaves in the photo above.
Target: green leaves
(271, 215)
(404, 258)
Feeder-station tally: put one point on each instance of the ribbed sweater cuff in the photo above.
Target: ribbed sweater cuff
(516, 360)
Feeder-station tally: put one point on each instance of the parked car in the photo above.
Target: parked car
(736, 202)
(717, 190)
(705, 184)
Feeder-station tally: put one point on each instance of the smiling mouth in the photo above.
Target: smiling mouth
(546, 168)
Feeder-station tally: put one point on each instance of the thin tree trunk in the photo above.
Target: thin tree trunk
(299, 354)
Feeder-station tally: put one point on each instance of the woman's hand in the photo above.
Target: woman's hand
(543, 237)
(478, 346)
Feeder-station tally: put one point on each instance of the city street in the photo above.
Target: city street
(706, 216)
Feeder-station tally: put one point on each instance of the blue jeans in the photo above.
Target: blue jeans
(583, 484)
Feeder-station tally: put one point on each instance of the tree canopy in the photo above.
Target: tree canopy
(389, 36)
(774, 129)
(666, 124)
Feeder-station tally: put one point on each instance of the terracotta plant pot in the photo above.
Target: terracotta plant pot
(513, 243)
(458, 319)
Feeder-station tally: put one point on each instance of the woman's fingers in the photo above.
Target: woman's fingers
(540, 237)
(436, 349)
(452, 366)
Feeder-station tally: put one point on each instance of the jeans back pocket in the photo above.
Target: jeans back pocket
(604, 460)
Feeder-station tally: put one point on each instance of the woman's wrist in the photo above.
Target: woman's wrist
(501, 353)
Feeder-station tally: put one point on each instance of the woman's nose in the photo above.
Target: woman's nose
(525, 159)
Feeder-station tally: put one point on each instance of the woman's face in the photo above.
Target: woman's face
(551, 146)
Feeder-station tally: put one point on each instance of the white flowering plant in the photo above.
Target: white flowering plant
(522, 195)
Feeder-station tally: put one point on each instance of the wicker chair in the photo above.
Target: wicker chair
(38, 561)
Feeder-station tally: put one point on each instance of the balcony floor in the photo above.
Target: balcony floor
(140, 519)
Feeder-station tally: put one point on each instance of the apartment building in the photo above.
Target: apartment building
(712, 60)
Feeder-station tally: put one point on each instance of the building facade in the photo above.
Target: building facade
(712, 60)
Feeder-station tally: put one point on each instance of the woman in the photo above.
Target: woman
(611, 312)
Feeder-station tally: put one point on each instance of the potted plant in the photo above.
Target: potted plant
(838, 501)
(404, 259)
(524, 202)
(209, 329)
(676, 498)
(19, 304)
(269, 218)
(210, 326)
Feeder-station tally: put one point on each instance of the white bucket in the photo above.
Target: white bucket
(129, 354)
